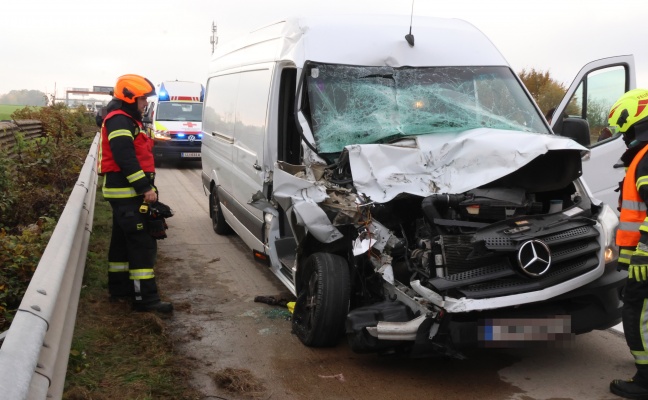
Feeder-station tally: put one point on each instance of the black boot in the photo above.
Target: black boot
(159, 306)
(629, 389)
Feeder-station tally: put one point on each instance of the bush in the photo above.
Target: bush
(35, 183)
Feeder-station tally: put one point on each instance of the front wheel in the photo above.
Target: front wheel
(219, 224)
(322, 300)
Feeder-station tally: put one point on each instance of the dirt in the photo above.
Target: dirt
(213, 280)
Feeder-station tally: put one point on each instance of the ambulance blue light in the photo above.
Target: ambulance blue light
(181, 135)
(163, 96)
(200, 135)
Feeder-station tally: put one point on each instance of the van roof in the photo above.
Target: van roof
(370, 40)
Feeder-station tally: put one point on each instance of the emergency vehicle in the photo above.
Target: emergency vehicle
(173, 119)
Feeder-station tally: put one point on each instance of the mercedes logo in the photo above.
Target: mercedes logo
(191, 138)
(534, 258)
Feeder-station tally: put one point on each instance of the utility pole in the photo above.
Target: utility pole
(214, 39)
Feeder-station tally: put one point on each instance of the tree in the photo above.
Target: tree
(24, 98)
(546, 91)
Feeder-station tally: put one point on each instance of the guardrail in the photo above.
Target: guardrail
(30, 128)
(35, 351)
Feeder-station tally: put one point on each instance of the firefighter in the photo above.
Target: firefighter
(126, 163)
(629, 115)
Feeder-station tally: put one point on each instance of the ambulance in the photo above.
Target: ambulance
(174, 120)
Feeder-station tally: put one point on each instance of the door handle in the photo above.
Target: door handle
(256, 166)
(619, 164)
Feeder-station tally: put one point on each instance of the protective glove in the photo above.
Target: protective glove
(638, 269)
(157, 228)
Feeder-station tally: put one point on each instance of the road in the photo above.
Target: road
(212, 280)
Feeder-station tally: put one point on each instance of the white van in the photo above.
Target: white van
(173, 118)
(408, 191)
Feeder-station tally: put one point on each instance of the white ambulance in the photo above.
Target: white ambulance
(174, 120)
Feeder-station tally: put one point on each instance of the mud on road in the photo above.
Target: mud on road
(213, 280)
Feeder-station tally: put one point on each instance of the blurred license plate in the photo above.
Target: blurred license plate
(190, 155)
(520, 332)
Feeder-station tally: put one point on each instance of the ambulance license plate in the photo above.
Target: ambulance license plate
(190, 155)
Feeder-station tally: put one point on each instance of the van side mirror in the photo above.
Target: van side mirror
(146, 119)
(576, 129)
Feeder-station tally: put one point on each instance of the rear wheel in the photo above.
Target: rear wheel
(322, 301)
(218, 219)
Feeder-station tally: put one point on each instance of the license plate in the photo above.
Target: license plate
(190, 155)
(521, 332)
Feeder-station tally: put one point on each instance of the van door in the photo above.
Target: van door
(249, 139)
(587, 103)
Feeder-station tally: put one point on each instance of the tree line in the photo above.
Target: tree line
(24, 98)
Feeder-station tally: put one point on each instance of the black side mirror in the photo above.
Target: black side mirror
(146, 119)
(577, 129)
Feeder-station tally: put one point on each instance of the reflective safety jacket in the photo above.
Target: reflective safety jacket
(125, 157)
(632, 220)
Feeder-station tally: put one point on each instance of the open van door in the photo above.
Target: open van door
(582, 115)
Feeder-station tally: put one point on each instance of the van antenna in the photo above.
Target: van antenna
(213, 39)
(409, 37)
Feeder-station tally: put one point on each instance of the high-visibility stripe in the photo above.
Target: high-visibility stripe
(120, 132)
(117, 267)
(624, 256)
(642, 357)
(629, 226)
(141, 274)
(642, 180)
(118, 193)
(135, 176)
(633, 205)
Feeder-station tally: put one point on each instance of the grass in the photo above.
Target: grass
(6, 110)
(117, 353)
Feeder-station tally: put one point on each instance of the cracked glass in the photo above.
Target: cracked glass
(361, 105)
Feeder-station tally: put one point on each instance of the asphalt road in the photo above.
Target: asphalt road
(213, 280)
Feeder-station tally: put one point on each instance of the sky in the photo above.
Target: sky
(52, 46)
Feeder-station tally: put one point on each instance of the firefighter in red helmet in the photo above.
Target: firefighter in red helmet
(126, 163)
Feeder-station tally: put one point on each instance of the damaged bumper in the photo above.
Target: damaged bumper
(391, 326)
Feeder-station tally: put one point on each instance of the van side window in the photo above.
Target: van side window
(289, 146)
(220, 104)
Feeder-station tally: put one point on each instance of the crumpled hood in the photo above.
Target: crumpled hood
(447, 163)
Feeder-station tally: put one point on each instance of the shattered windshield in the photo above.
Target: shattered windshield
(359, 105)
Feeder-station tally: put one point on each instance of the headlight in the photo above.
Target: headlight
(609, 222)
(162, 135)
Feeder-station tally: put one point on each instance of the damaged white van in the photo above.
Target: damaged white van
(408, 191)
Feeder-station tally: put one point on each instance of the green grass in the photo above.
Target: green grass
(6, 110)
(117, 353)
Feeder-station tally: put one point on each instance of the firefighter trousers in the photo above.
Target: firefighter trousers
(132, 253)
(635, 325)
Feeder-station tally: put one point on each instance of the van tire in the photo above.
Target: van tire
(219, 224)
(322, 302)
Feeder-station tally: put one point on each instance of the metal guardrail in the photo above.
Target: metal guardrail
(30, 128)
(35, 351)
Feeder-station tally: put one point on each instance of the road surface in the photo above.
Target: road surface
(212, 280)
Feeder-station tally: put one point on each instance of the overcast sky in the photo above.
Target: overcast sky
(61, 44)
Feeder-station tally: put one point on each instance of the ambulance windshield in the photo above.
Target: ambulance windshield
(360, 105)
(179, 111)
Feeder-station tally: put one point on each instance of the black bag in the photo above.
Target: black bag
(157, 226)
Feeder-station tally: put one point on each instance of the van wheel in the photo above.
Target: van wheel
(218, 219)
(322, 300)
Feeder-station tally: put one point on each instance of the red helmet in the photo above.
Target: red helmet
(129, 87)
